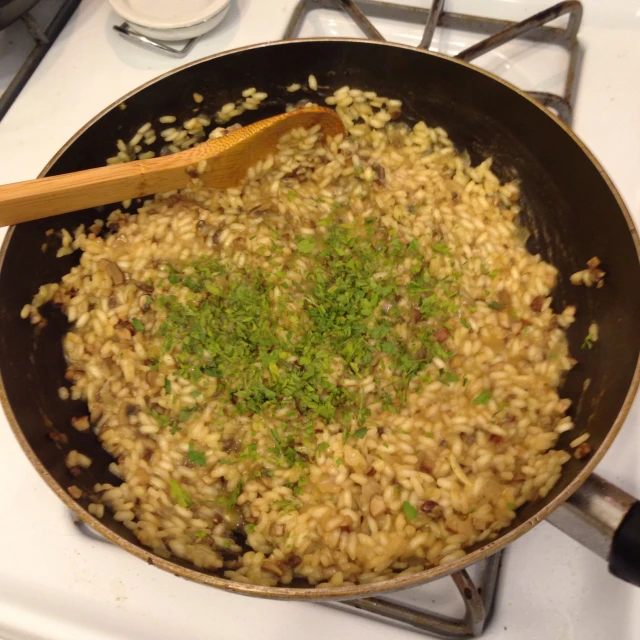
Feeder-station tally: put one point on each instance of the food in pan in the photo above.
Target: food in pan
(344, 369)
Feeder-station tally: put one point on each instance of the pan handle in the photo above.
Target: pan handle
(606, 520)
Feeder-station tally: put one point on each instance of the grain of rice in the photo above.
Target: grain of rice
(579, 440)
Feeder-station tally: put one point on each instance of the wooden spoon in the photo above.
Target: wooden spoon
(227, 162)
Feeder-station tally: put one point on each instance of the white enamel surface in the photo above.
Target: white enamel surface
(167, 14)
(58, 585)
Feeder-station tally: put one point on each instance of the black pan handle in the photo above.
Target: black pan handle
(606, 520)
(624, 556)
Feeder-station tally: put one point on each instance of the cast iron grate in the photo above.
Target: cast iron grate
(42, 41)
(495, 32)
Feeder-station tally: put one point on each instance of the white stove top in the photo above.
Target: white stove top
(56, 584)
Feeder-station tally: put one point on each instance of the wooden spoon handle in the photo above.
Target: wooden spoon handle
(34, 199)
(227, 162)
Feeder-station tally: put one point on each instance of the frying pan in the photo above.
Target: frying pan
(569, 204)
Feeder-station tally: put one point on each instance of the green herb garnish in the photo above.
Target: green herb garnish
(483, 398)
(197, 457)
(410, 511)
(232, 329)
(181, 497)
(230, 502)
(160, 418)
(306, 245)
(137, 325)
(587, 343)
(287, 505)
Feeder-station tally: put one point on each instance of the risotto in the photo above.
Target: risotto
(346, 368)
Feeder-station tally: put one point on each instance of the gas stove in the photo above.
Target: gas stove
(57, 581)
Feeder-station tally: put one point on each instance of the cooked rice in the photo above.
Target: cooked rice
(441, 471)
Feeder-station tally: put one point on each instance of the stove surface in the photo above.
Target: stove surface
(56, 584)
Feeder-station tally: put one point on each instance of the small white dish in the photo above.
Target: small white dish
(181, 33)
(172, 15)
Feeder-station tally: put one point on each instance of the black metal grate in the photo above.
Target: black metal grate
(42, 41)
(496, 32)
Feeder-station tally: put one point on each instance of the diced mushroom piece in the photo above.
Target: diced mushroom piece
(144, 286)
(114, 271)
(293, 561)
(277, 529)
(380, 173)
(582, 451)
(441, 335)
(377, 506)
(429, 506)
(536, 304)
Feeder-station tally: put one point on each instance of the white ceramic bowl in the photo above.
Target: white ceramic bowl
(172, 20)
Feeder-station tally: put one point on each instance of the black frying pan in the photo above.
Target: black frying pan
(570, 206)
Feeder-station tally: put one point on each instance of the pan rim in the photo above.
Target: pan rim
(353, 591)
